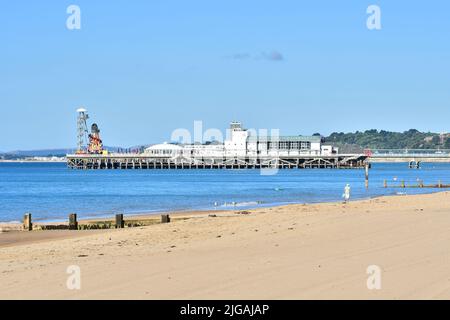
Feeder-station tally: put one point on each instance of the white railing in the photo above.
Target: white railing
(401, 153)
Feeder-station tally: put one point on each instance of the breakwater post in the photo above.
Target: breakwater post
(73, 223)
(120, 223)
(420, 184)
(27, 224)
(165, 218)
(367, 174)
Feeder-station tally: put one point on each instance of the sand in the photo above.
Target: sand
(319, 251)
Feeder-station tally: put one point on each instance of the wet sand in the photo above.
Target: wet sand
(14, 238)
(288, 252)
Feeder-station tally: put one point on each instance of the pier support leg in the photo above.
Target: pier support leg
(119, 221)
(27, 224)
(73, 223)
(165, 218)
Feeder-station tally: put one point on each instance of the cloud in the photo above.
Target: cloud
(269, 56)
(241, 56)
(273, 56)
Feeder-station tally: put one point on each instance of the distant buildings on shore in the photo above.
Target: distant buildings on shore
(33, 159)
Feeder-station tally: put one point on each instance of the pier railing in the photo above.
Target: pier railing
(391, 153)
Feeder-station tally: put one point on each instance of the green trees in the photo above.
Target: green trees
(374, 139)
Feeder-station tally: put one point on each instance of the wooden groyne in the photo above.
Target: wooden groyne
(118, 222)
(419, 184)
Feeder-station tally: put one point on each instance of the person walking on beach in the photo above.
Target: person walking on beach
(346, 194)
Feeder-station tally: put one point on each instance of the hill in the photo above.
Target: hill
(374, 139)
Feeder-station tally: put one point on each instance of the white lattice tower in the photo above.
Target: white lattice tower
(82, 131)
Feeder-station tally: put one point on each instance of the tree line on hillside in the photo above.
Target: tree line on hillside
(374, 139)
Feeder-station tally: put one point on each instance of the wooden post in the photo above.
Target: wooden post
(367, 174)
(119, 221)
(165, 218)
(385, 184)
(440, 184)
(421, 183)
(27, 224)
(73, 223)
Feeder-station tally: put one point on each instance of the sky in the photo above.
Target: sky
(146, 68)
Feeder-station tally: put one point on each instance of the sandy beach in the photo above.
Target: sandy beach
(290, 252)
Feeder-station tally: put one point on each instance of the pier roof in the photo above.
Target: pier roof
(313, 139)
(164, 146)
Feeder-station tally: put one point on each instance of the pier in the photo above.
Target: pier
(242, 149)
(146, 161)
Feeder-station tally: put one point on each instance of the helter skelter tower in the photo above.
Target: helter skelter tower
(82, 136)
(95, 143)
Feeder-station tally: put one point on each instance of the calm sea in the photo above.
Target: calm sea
(50, 190)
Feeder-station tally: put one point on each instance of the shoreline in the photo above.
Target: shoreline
(33, 161)
(150, 219)
(155, 214)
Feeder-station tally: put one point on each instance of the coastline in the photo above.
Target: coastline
(285, 252)
(140, 192)
(154, 215)
(15, 226)
(32, 161)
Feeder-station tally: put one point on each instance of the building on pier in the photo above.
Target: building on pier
(241, 143)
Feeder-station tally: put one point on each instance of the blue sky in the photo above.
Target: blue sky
(145, 68)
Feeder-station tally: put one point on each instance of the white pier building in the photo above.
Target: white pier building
(242, 144)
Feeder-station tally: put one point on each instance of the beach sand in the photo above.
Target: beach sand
(317, 251)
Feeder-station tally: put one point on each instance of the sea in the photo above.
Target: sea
(50, 191)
